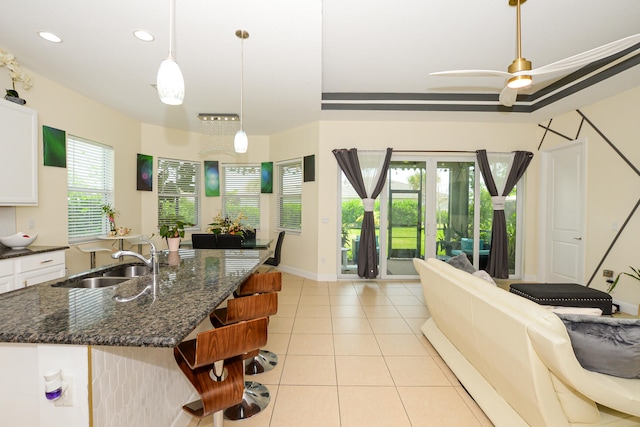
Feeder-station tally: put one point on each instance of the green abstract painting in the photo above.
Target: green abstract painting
(144, 172)
(211, 179)
(54, 147)
(266, 177)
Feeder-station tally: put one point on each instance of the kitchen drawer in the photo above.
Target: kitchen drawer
(34, 262)
(7, 283)
(40, 275)
(6, 268)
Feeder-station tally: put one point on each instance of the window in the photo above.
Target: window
(241, 193)
(290, 196)
(432, 206)
(89, 186)
(178, 192)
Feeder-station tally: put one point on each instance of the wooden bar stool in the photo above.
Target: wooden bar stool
(256, 396)
(219, 389)
(259, 283)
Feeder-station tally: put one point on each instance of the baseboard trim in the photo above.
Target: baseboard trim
(627, 307)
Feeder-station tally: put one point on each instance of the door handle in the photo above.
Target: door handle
(577, 238)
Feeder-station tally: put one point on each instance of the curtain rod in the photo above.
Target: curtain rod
(434, 151)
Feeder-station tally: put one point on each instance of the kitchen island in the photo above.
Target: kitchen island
(117, 356)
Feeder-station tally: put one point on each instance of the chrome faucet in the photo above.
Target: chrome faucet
(151, 263)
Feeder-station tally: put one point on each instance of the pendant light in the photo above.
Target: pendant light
(170, 83)
(241, 142)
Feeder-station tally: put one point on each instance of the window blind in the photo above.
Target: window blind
(290, 196)
(178, 192)
(241, 194)
(89, 186)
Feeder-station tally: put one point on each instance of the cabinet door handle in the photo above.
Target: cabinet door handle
(577, 238)
(46, 261)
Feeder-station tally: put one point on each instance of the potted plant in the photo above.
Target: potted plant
(17, 75)
(173, 233)
(111, 214)
(635, 275)
(225, 225)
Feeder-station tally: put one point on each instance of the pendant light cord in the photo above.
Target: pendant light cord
(241, 81)
(172, 12)
(518, 32)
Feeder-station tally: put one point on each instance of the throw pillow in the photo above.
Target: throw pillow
(485, 276)
(605, 344)
(461, 262)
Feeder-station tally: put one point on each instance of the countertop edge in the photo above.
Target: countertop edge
(7, 253)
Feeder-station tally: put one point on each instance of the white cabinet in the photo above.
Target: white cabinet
(29, 270)
(7, 278)
(19, 148)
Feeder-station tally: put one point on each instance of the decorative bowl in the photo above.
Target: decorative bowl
(18, 240)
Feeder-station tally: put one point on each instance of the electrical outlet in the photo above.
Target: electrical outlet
(607, 273)
(67, 395)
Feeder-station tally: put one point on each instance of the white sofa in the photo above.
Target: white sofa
(515, 358)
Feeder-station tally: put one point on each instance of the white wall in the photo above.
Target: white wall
(613, 187)
(300, 251)
(64, 109)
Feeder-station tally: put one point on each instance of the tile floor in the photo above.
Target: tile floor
(352, 355)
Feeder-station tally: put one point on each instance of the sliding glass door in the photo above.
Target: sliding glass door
(405, 201)
(431, 207)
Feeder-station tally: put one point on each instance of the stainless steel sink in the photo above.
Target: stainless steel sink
(127, 271)
(92, 282)
(101, 278)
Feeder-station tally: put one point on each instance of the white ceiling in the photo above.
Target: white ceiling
(300, 49)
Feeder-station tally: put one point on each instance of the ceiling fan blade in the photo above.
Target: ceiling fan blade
(478, 73)
(585, 58)
(508, 96)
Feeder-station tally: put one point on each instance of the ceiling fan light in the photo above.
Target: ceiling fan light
(240, 142)
(170, 82)
(518, 82)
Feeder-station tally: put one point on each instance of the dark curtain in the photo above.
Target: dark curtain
(350, 164)
(498, 263)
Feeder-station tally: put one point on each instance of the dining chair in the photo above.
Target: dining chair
(229, 241)
(275, 259)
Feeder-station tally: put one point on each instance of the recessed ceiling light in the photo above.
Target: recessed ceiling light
(143, 35)
(49, 36)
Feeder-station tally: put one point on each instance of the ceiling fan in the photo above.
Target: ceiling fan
(520, 74)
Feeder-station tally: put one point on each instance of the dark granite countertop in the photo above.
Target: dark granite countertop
(184, 296)
(6, 253)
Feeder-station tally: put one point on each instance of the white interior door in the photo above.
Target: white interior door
(563, 194)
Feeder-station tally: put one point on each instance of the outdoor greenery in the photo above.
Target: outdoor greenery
(405, 213)
(177, 191)
(176, 207)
